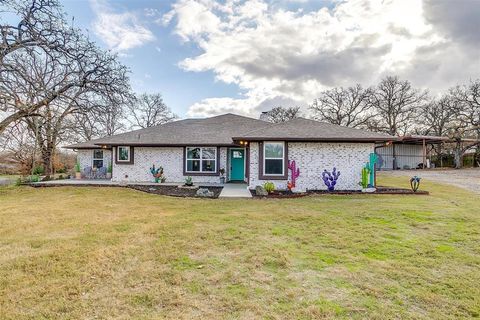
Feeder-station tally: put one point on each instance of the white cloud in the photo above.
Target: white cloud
(274, 54)
(120, 31)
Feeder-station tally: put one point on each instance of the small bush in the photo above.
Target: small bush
(38, 170)
(189, 181)
(269, 187)
(34, 178)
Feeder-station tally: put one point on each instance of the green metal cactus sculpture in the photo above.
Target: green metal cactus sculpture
(365, 175)
(368, 172)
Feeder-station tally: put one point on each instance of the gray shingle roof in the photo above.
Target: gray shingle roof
(301, 129)
(217, 130)
(222, 130)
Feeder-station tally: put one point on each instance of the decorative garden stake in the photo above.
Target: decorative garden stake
(415, 183)
(295, 173)
(157, 173)
(330, 179)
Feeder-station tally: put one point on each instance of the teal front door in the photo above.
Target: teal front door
(237, 164)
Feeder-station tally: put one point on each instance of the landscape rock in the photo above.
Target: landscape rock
(204, 192)
(260, 191)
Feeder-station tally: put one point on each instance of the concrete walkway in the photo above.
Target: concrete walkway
(235, 190)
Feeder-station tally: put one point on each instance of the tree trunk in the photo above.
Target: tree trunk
(47, 159)
(458, 155)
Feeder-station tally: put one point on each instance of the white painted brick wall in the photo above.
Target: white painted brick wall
(85, 157)
(312, 158)
(170, 158)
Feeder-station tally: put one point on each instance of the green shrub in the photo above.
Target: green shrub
(189, 181)
(269, 187)
(34, 178)
(38, 170)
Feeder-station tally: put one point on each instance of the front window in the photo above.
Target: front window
(97, 158)
(273, 160)
(201, 159)
(123, 154)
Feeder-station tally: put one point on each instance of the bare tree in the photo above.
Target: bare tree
(99, 116)
(43, 37)
(19, 142)
(396, 104)
(40, 24)
(348, 107)
(148, 110)
(467, 120)
(59, 87)
(282, 114)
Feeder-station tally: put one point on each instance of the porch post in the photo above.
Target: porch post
(424, 154)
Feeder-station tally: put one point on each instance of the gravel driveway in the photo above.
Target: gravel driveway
(463, 178)
(4, 181)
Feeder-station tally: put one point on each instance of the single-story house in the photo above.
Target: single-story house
(248, 150)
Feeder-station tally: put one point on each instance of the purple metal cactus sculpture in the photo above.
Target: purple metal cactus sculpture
(330, 179)
(295, 172)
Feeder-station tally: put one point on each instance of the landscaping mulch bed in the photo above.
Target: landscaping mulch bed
(380, 190)
(280, 194)
(166, 190)
(176, 191)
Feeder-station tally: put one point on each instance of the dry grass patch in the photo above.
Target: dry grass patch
(117, 253)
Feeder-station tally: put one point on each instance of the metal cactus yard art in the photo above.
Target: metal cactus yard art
(295, 173)
(368, 172)
(415, 183)
(157, 173)
(330, 179)
(365, 174)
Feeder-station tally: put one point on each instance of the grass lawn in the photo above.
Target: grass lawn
(119, 253)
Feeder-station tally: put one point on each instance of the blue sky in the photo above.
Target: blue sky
(154, 65)
(246, 56)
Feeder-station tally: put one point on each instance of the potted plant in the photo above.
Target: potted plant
(222, 175)
(78, 173)
(189, 181)
(109, 171)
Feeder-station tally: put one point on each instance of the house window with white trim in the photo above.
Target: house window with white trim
(123, 154)
(98, 158)
(273, 158)
(201, 159)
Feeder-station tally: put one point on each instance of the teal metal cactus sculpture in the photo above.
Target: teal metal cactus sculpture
(371, 166)
(157, 173)
(368, 172)
(295, 173)
(330, 179)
